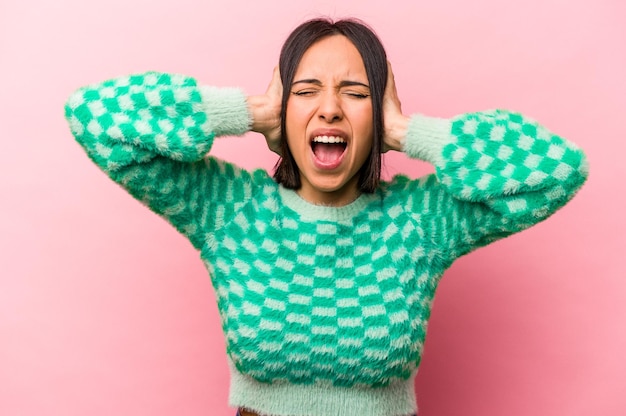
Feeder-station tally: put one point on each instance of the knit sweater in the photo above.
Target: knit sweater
(324, 309)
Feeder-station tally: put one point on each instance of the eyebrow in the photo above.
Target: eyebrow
(342, 84)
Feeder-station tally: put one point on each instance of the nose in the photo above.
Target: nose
(330, 107)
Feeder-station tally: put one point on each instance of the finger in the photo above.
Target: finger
(390, 77)
(390, 90)
(276, 84)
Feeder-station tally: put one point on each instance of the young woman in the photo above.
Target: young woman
(324, 275)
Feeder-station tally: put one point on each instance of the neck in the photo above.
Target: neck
(331, 198)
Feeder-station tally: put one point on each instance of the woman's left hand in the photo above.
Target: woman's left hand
(396, 124)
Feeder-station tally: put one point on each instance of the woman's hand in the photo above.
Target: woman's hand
(396, 124)
(265, 110)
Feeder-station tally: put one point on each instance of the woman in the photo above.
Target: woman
(324, 275)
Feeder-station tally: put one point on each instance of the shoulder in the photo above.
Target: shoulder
(401, 186)
(228, 177)
(414, 195)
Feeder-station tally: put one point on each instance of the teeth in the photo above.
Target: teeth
(328, 139)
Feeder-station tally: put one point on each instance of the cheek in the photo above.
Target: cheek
(296, 119)
(364, 130)
(363, 125)
(295, 129)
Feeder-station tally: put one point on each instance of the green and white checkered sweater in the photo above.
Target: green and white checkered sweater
(324, 309)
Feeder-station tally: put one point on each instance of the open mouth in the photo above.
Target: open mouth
(329, 149)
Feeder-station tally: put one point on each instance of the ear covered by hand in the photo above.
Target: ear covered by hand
(396, 124)
(265, 110)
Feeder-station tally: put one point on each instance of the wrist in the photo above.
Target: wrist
(396, 130)
(255, 108)
(426, 138)
(226, 109)
(264, 117)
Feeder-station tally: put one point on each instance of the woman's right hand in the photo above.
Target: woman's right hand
(265, 110)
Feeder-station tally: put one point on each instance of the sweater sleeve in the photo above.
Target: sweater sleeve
(497, 173)
(150, 132)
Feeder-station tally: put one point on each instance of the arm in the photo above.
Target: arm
(497, 173)
(150, 133)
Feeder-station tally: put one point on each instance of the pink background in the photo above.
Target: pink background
(106, 310)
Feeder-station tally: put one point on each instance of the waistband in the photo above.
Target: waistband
(286, 399)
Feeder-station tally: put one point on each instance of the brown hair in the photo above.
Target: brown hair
(375, 62)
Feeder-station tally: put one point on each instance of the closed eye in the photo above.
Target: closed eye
(357, 95)
(304, 93)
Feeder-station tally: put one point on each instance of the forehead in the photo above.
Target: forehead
(333, 57)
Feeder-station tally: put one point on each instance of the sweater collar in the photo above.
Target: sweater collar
(310, 211)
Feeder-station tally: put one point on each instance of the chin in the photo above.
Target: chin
(330, 184)
(330, 190)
